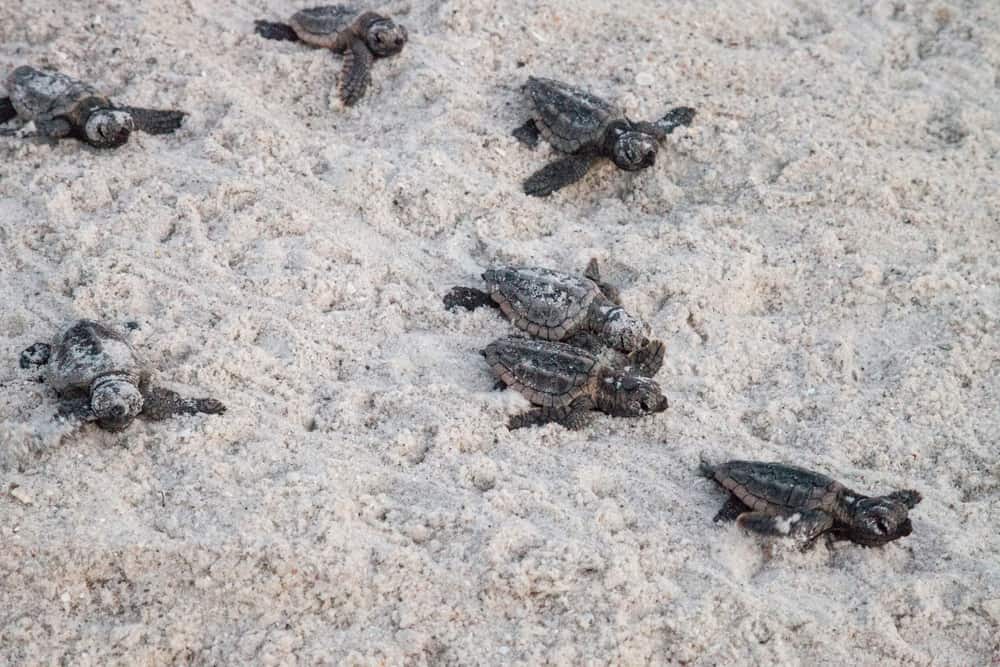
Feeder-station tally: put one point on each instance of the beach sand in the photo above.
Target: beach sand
(820, 252)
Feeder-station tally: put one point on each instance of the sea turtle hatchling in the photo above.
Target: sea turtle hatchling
(553, 305)
(60, 107)
(783, 500)
(99, 376)
(567, 382)
(361, 37)
(587, 128)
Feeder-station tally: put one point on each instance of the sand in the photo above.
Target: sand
(819, 251)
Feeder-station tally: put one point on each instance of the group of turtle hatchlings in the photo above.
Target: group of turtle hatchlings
(579, 351)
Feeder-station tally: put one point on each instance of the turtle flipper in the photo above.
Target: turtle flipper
(155, 121)
(468, 298)
(76, 408)
(648, 359)
(272, 30)
(356, 73)
(160, 403)
(36, 355)
(805, 526)
(574, 416)
(733, 508)
(908, 497)
(675, 118)
(593, 272)
(528, 134)
(6, 110)
(558, 174)
(56, 128)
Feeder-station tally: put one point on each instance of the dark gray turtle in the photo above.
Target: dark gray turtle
(99, 377)
(567, 382)
(553, 305)
(778, 499)
(360, 37)
(60, 107)
(587, 128)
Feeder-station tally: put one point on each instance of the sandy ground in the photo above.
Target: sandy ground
(819, 251)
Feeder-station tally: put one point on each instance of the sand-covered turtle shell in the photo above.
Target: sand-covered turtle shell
(545, 303)
(42, 95)
(547, 373)
(324, 21)
(775, 488)
(567, 117)
(88, 350)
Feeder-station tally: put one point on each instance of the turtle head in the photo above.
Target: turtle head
(877, 521)
(385, 38)
(634, 149)
(115, 401)
(632, 396)
(108, 128)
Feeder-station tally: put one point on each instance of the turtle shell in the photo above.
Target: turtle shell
(776, 488)
(320, 25)
(547, 373)
(41, 95)
(88, 350)
(567, 117)
(545, 303)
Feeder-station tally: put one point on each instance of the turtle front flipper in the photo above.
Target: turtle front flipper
(36, 355)
(76, 408)
(558, 174)
(7, 111)
(574, 416)
(528, 134)
(593, 272)
(468, 298)
(356, 73)
(675, 118)
(648, 359)
(273, 30)
(155, 121)
(57, 128)
(805, 526)
(160, 404)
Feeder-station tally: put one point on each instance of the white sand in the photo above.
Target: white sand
(819, 251)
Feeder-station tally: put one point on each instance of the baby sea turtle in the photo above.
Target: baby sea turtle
(360, 37)
(567, 382)
(587, 128)
(778, 499)
(99, 377)
(60, 106)
(552, 305)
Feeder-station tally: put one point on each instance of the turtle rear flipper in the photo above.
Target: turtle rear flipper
(273, 30)
(356, 72)
(731, 511)
(468, 298)
(155, 121)
(805, 526)
(160, 404)
(7, 111)
(528, 134)
(558, 174)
